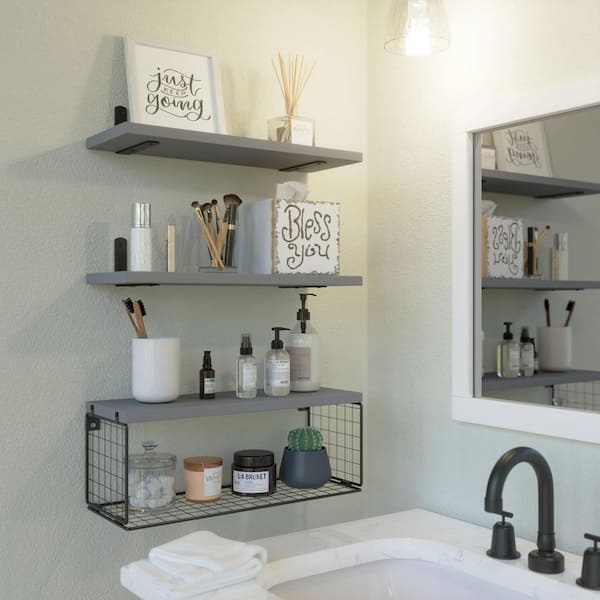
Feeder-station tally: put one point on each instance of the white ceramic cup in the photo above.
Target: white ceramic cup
(155, 369)
(554, 348)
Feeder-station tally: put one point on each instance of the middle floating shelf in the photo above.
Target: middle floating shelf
(189, 406)
(502, 283)
(135, 278)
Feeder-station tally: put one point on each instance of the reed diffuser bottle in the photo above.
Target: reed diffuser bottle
(245, 373)
(292, 76)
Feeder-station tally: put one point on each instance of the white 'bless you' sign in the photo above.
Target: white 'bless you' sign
(289, 236)
(505, 247)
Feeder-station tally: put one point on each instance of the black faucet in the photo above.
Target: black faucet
(545, 559)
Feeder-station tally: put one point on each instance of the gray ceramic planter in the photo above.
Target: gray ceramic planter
(305, 469)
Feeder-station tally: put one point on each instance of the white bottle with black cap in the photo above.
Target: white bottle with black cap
(304, 350)
(140, 244)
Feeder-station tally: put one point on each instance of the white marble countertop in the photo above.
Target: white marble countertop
(323, 549)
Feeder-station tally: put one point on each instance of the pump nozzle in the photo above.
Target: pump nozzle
(277, 344)
(303, 313)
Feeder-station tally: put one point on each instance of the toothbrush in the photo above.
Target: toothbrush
(570, 308)
(140, 313)
(128, 304)
(547, 309)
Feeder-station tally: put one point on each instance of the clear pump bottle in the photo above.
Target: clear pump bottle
(527, 354)
(245, 373)
(508, 355)
(303, 346)
(277, 367)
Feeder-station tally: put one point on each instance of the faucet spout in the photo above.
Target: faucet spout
(545, 559)
(493, 497)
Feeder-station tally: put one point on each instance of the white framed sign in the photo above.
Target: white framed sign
(505, 247)
(523, 149)
(174, 88)
(306, 237)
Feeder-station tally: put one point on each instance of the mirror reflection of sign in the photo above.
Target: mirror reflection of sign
(175, 93)
(306, 237)
(505, 247)
(521, 148)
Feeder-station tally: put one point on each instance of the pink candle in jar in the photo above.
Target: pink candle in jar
(203, 478)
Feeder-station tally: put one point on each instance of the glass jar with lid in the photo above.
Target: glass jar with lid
(151, 479)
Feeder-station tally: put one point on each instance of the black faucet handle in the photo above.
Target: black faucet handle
(503, 539)
(590, 569)
(593, 538)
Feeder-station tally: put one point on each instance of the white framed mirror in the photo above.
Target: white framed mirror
(474, 399)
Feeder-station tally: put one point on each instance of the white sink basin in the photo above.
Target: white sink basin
(406, 569)
(395, 579)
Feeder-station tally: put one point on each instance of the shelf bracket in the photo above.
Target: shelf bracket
(138, 147)
(92, 423)
(305, 167)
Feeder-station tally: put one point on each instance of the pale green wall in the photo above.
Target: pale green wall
(63, 342)
(498, 48)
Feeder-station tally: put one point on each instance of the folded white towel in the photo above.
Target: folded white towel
(202, 554)
(151, 583)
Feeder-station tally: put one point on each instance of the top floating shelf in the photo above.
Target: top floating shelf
(150, 140)
(535, 186)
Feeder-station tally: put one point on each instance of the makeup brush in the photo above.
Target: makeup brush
(547, 309)
(219, 219)
(210, 222)
(232, 202)
(128, 304)
(570, 308)
(542, 235)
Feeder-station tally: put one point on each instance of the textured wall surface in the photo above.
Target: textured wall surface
(498, 48)
(63, 343)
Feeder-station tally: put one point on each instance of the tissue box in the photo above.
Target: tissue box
(290, 236)
(505, 247)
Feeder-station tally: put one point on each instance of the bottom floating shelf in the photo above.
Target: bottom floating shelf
(183, 510)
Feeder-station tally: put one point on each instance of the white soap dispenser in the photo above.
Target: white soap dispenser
(277, 367)
(304, 348)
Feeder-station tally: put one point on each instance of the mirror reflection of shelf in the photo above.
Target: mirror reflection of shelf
(491, 382)
(502, 283)
(534, 186)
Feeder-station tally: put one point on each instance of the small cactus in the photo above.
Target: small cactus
(305, 439)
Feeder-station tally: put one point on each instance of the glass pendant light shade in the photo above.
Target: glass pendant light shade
(417, 28)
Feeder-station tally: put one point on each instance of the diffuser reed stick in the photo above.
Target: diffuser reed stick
(292, 78)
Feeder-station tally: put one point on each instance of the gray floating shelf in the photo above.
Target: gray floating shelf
(535, 186)
(490, 381)
(537, 284)
(190, 406)
(135, 278)
(150, 140)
